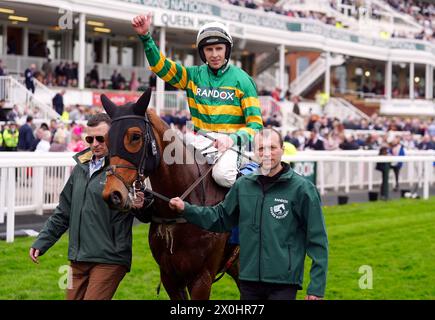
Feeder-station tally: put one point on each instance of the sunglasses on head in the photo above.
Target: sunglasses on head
(90, 139)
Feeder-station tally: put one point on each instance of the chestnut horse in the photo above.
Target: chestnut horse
(188, 256)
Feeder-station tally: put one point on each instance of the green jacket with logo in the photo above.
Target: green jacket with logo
(278, 228)
(96, 233)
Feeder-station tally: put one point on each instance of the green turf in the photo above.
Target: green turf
(396, 239)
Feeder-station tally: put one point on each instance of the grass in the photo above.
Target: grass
(396, 239)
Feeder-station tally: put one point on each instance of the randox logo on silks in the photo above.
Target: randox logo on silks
(279, 211)
(215, 93)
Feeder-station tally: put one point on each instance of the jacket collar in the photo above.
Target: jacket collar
(221, 71)
(83, 157)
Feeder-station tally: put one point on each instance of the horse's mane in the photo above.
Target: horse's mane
(161, 126)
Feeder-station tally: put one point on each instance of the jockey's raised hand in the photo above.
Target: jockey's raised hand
(141, 24)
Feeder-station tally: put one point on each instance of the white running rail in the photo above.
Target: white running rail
(32, 182)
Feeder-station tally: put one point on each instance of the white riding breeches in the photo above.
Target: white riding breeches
(226, 168)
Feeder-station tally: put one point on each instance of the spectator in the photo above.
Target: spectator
(10, 137)
(94, 77)
(114, 79)
(331, 141)
(2, 70)
(3, 112)
(76, 144)
(58, 102)
(25, 137)
(38, 135)
(29, 75)
(426, 143)
(349, 143)
(59, 142)
(76, 113)
(384, 168)
(47, 68)
(134, 84)
(296, 109)
(396, 149)
(315, 142)
(44, 144)
(13, 115)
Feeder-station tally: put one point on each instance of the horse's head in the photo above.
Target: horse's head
(133, 150)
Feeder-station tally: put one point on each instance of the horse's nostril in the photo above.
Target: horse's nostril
(116, 198)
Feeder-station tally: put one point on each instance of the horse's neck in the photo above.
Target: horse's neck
(174, 179)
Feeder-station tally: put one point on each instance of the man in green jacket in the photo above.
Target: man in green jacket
(100, 239)
(280, 221)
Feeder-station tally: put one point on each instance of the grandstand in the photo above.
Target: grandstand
(371, 56)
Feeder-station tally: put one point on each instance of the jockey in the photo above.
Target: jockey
(222, 98)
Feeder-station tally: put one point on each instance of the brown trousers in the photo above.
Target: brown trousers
(94, 281)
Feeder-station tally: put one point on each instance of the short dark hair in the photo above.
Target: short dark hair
(262, 131)
(29, 118)
(96, 119)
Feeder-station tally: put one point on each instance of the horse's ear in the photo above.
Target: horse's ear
(142, 104)
(108, 105)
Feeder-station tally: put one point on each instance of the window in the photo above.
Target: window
(302, 64)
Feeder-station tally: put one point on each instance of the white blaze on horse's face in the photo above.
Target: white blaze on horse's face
(99, 149)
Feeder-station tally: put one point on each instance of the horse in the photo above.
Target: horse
(189, 257)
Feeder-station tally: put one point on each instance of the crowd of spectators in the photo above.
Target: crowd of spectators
(422, 11)
(319, 133)
(328, 133)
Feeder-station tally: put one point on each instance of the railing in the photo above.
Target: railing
(16, 93)
(342, 109)
(32, 182)
(312, 73)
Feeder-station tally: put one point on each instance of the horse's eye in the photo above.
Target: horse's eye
(135, 137)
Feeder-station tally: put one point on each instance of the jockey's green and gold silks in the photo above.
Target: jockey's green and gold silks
(226, 102)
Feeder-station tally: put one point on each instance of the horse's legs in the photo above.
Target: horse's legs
(175, 289)
(200, 287)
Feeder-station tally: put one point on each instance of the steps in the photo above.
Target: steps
(14, 92)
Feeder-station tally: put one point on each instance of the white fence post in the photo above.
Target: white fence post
(321, 173)
(10, 226)
(336, 175)
(347, 176)
(427, 175)
(3, 178)
(361, 174)
(420, 173)
(38, 189)
(370, 176)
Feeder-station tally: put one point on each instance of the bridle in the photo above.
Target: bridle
(141, 172)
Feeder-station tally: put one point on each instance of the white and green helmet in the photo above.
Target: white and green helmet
(214, 33)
